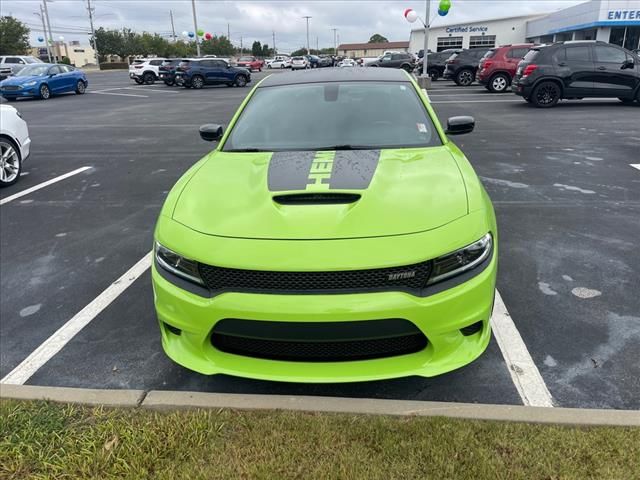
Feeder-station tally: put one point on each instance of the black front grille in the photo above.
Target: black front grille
(318, 341)
(408, 278)
(11, 88)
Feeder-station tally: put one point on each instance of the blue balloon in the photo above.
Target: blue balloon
(443, 13)
(191, 34)
(40, 39)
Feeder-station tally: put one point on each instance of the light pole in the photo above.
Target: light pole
(195, 26)
(307, 17)
(335, 45)
(44, 28)
(46, 14)
(93, 33)
(426, 38)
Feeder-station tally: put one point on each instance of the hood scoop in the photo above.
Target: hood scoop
(316, 198)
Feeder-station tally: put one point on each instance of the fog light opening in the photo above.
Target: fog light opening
(172, 329)
(471, 329)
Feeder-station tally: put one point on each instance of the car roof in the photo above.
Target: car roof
(366, 74)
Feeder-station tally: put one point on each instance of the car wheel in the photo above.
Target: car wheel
(260, 69)
(169, 83)
(433, 74)
(499, 83)
(407, 68)
(281, 66)
(545, 95)
(269, 67)
(241, 81)
(465, 77)
(149, 78)
(81, 87)
(138, 81)
(626, 101)
(197, 82)
(10, 164)
(45, 93)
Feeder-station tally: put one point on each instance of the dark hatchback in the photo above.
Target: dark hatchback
(436, 62)
(167, 71)
(196, 73)
(462, 67)
(575, 70)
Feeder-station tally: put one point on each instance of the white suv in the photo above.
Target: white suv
(299, 63)
(145, 70)
(14, 144)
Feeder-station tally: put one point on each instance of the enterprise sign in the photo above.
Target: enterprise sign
(623, 15)
(471, 29)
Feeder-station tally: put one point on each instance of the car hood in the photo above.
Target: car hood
(258, 195)
(20, 80)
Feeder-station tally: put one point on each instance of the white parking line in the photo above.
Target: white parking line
(524, 373)
(42, 185)
(119, 94)
(152, 90)
(41, 355)
(635, 165)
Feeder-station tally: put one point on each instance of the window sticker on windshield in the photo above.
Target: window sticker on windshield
(403, 88)
(422, 127)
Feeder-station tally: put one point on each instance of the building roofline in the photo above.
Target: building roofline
(433, 27)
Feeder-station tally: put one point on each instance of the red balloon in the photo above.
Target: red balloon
(208, 36)
(407, 11)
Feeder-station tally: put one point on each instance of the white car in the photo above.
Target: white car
(299, 63)
(280, 62)
(347, 62)
(14, 144)
(145, 70)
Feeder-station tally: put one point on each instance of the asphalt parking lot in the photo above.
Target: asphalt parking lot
(564, 187)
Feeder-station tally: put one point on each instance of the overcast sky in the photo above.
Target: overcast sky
(356, 21)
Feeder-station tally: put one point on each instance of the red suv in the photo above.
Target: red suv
(498, 66)
(250, 63)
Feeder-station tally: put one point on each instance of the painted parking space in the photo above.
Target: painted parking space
(565, 196)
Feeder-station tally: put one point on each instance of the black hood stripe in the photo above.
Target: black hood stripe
(324, 170)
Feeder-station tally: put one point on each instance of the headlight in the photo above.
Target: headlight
(461, 260)
(30, 84)
(177, 264)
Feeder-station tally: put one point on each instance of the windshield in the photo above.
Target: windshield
(33, 69)
(333, 115)
(531, 55)
(32, 60)
(246, 59)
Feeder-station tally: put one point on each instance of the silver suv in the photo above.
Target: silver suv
(11, 64)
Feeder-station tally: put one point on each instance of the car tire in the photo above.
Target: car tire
(138, 81)
(15, 165)
(407, 68)
(240, 81)
(197, 82)
(269, 67)
(546, 94)
(281, 67)
(626, 101)
(465, 77)
(433, 74)
(45, 93)
(81, 87)
(499, 83)
(148, 78)
(260, 69)
(169, 83)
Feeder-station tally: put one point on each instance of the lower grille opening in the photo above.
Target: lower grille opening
(471, 329)
(318, 341)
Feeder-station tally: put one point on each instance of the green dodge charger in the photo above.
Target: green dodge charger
(334, 235)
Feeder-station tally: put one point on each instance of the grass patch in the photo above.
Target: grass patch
(47, 440)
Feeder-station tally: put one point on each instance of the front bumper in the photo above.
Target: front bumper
(440, 317)
(22, 93)
(520, 88)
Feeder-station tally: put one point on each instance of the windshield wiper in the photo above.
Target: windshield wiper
(347, 147)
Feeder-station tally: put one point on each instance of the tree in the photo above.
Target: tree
(14, 36)
(256, 49)
(266, 51)
(108, 42)
(299, 52)
(377, 38)
(218, 45)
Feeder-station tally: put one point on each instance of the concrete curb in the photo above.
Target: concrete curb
(168, 400)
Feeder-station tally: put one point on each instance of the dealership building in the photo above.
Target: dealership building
(612, 21)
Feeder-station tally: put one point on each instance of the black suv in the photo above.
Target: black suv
(436, 62)
(462, 67)
(577, 69)
(395, 60)
(196, 73)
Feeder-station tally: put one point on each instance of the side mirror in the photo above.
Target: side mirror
(460, 125)
(211, 132)
(629, 63)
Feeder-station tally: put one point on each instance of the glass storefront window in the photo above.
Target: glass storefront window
(627, 37)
